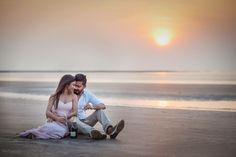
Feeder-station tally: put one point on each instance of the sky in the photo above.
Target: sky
(105, 35)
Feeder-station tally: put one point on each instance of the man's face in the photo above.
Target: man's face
(79, 87)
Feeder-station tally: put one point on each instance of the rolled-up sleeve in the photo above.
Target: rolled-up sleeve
(93, 99)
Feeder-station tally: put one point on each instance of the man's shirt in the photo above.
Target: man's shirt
(86, 98)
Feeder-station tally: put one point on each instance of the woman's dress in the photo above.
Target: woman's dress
(53, 129)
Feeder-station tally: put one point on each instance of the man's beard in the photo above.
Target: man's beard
(77, 92)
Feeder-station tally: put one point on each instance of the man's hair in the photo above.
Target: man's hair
(82, 78)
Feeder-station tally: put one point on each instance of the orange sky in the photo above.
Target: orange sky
(203, 35)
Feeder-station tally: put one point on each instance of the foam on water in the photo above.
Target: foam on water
(24, 96)
(189, 90)
(229, 106)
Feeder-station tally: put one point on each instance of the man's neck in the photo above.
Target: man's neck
(79, 94)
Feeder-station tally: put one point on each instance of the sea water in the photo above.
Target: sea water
(146, 89)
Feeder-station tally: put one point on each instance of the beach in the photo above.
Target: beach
(167, 114)
(147, 132)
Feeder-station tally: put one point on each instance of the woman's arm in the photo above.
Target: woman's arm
(74, 107)
(50, 114)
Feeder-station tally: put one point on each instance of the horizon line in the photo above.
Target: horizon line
(78, 71)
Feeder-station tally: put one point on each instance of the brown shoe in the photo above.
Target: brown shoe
(97, 135)
(117, 129)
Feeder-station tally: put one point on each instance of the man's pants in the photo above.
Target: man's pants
(85, 126)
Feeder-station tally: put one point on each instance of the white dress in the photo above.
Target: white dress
(52, 130)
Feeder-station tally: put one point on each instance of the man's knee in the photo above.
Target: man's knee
(100, 112)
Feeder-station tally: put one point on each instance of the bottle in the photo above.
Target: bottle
(74, 130)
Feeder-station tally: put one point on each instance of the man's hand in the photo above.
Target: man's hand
(88, 107)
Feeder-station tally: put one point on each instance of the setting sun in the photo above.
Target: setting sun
(162, 37)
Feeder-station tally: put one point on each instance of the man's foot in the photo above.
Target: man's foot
(97, 135)
(117, 129)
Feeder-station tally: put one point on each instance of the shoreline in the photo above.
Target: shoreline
(223, 105)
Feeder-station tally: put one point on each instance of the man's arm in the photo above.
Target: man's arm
(97, 104)
(100, 106)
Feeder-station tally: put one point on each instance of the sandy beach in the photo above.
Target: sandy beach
(148, 132)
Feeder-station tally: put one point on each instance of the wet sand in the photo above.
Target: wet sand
(148, 132)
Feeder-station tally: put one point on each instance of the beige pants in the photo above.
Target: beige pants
(85, 126)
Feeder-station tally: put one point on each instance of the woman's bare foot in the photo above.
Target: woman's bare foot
(31, 136)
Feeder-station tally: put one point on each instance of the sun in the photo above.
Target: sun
(162, 37)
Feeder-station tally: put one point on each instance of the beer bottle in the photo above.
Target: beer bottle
(74, 130)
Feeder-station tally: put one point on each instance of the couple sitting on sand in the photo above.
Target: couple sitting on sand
(72, 99)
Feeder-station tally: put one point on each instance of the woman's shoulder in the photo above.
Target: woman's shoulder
(51, 97)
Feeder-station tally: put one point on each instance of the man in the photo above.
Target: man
(88, 101)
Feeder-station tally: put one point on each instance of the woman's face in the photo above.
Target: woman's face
(71, 87)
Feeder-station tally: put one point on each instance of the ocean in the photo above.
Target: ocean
(191, 90)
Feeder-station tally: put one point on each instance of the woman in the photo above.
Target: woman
(61, 108)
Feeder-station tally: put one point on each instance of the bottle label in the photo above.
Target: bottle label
(72, 133)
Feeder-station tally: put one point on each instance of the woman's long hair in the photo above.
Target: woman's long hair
(65, 80)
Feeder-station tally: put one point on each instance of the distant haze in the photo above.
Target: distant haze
(117, 35)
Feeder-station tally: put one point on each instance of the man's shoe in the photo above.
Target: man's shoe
(97, 135)
(117, 129)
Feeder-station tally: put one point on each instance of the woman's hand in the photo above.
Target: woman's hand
(61, 119)
(49, 120)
